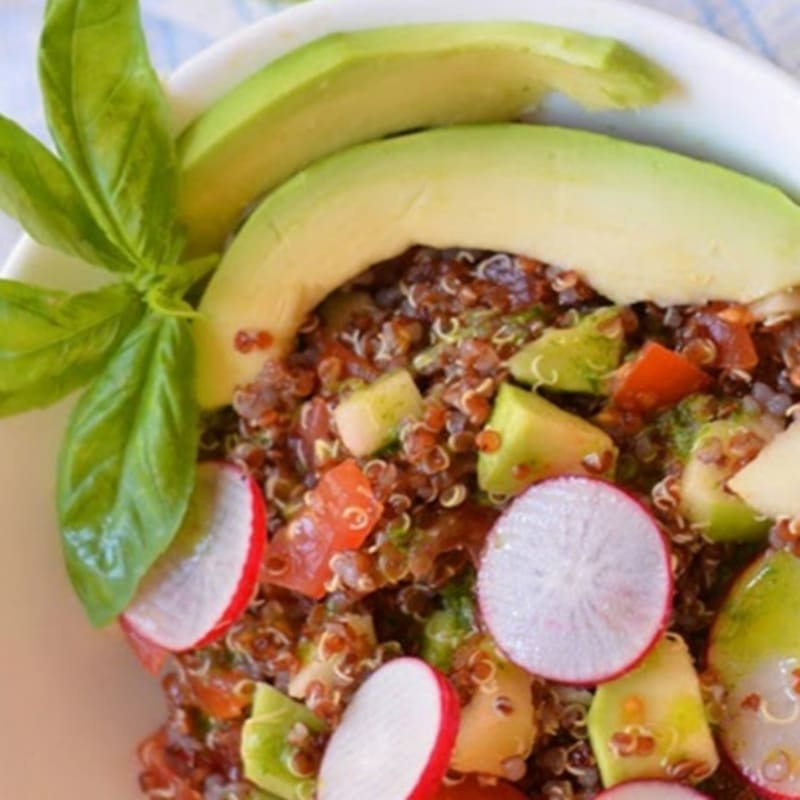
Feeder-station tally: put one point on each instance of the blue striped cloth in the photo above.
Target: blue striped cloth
(177, 29)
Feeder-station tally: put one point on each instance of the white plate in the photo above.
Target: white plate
(73, 703)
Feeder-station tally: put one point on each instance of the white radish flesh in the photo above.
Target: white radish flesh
(651, 790)
(206, 578)
(575, 583)
(396, 736)
(760, 729)
(754, 653)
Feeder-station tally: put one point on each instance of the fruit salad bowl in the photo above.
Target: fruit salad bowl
(74, 700)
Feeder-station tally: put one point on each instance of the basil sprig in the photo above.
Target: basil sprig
(127, 461)
(110, 123)
(52, 343)
(36, 189)
(123, 484)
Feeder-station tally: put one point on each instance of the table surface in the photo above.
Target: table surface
(177, 29)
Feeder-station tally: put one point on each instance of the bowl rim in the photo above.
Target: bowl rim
(193, 86)
(188, 74)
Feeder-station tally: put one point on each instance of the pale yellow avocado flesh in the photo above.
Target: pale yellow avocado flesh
(636, 222)
(356, 87)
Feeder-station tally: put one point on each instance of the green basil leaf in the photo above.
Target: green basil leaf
(39, 193)
(51, 342)
(127, 465)
(109, 120)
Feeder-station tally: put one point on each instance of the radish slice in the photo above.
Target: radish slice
(651, 790)
(754, 654)
(204, 581)
(151, 656)
(396, 737)
(575, 582)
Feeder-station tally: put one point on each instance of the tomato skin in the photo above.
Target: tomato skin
(657, 378)
(341, 514)
(344, 500)
(470, 789)
(735, 347)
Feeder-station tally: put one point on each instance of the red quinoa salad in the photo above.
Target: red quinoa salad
(324, 618)
(391, 520)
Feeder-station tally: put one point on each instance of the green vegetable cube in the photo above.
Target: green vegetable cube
(265, 750)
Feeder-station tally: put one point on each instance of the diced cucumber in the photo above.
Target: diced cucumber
(370, 418)
(652, 719)
(265, 750)
(448, 628)
(576, 359)
(539, 440)
(705, 499)
(315, 667)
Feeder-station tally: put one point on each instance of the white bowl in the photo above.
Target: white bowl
(73, 702)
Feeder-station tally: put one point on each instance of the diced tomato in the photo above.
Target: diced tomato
(151, 656)
(658, 378)
(735, 347)
(341, 514)
(161, 769)
(470, 789)
(216, 693)
(344, 499)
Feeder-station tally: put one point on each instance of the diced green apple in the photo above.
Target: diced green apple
(705, 499)
(769, 483)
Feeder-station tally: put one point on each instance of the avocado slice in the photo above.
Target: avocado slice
(538, 440)
(355, 87)
(634, 220)
(705, 498)
(576, 359)
(369, 418)
(660, 702)
(265, 750)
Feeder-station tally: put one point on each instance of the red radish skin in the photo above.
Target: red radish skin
(651, 790)
(249, 580)
(212, 567)
(150, 656)
(575, 583)
(754, 654)
(758, 788)
(396, 736)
